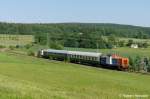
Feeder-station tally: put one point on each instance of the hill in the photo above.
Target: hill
(24, 77)
(59, 28)
(82, 35)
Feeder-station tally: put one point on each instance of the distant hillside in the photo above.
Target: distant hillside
(60, 28)
(64, 32)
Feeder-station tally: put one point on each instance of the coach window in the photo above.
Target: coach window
(88, 58)
(84, 57)
(76, 56)
(93, 58)
(73, 56)
(80, 56)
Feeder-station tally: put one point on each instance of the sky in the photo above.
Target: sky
(132, 12)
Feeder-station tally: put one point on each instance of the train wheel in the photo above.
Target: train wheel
(120, 68)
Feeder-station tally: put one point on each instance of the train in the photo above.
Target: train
(87, 58)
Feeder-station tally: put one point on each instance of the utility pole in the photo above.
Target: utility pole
(48, 40)
(97, 47)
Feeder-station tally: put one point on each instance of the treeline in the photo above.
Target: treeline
(139, 64)
(85, 35)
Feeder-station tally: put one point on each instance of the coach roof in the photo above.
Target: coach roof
(56, 51)
(92, 54)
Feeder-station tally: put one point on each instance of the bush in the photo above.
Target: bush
(12, 47)
(137, 63)
(109, 46)
(28, 46)
(131, 64)
(30, 53)
(56, 46)
(2, 46)
(145, 45)
(18, 46)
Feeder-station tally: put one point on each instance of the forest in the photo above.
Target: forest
(81, 35)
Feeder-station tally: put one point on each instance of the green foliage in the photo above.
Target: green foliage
(12, 47)
(145, 45)
(148, 68)
(121, 43)
(130, 42)
(30, 53)
(77, 34)
(112, 39)
(137, 62)
(28, 46)
(56, 45)
(2, 46)
(131, 64)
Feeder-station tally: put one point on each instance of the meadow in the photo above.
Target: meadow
(13, 40)
(25, 77)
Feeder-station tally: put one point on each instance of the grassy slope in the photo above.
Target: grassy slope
(23, 77)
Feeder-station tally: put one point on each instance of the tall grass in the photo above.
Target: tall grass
(24, 77)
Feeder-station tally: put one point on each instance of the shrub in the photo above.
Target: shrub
(18, 46)
(131, 64)
(57, 46)
(12, 47)
(30, 53)
(2, 46)
(28, 46)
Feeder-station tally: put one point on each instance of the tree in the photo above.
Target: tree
(56, 45)
(148, 67)
(112, 39)
(137, 63)
(130, 42)
(145, 45)
(131, 64)
(121, 43)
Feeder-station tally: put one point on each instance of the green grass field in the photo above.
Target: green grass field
(24, 77)
(13, 40)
